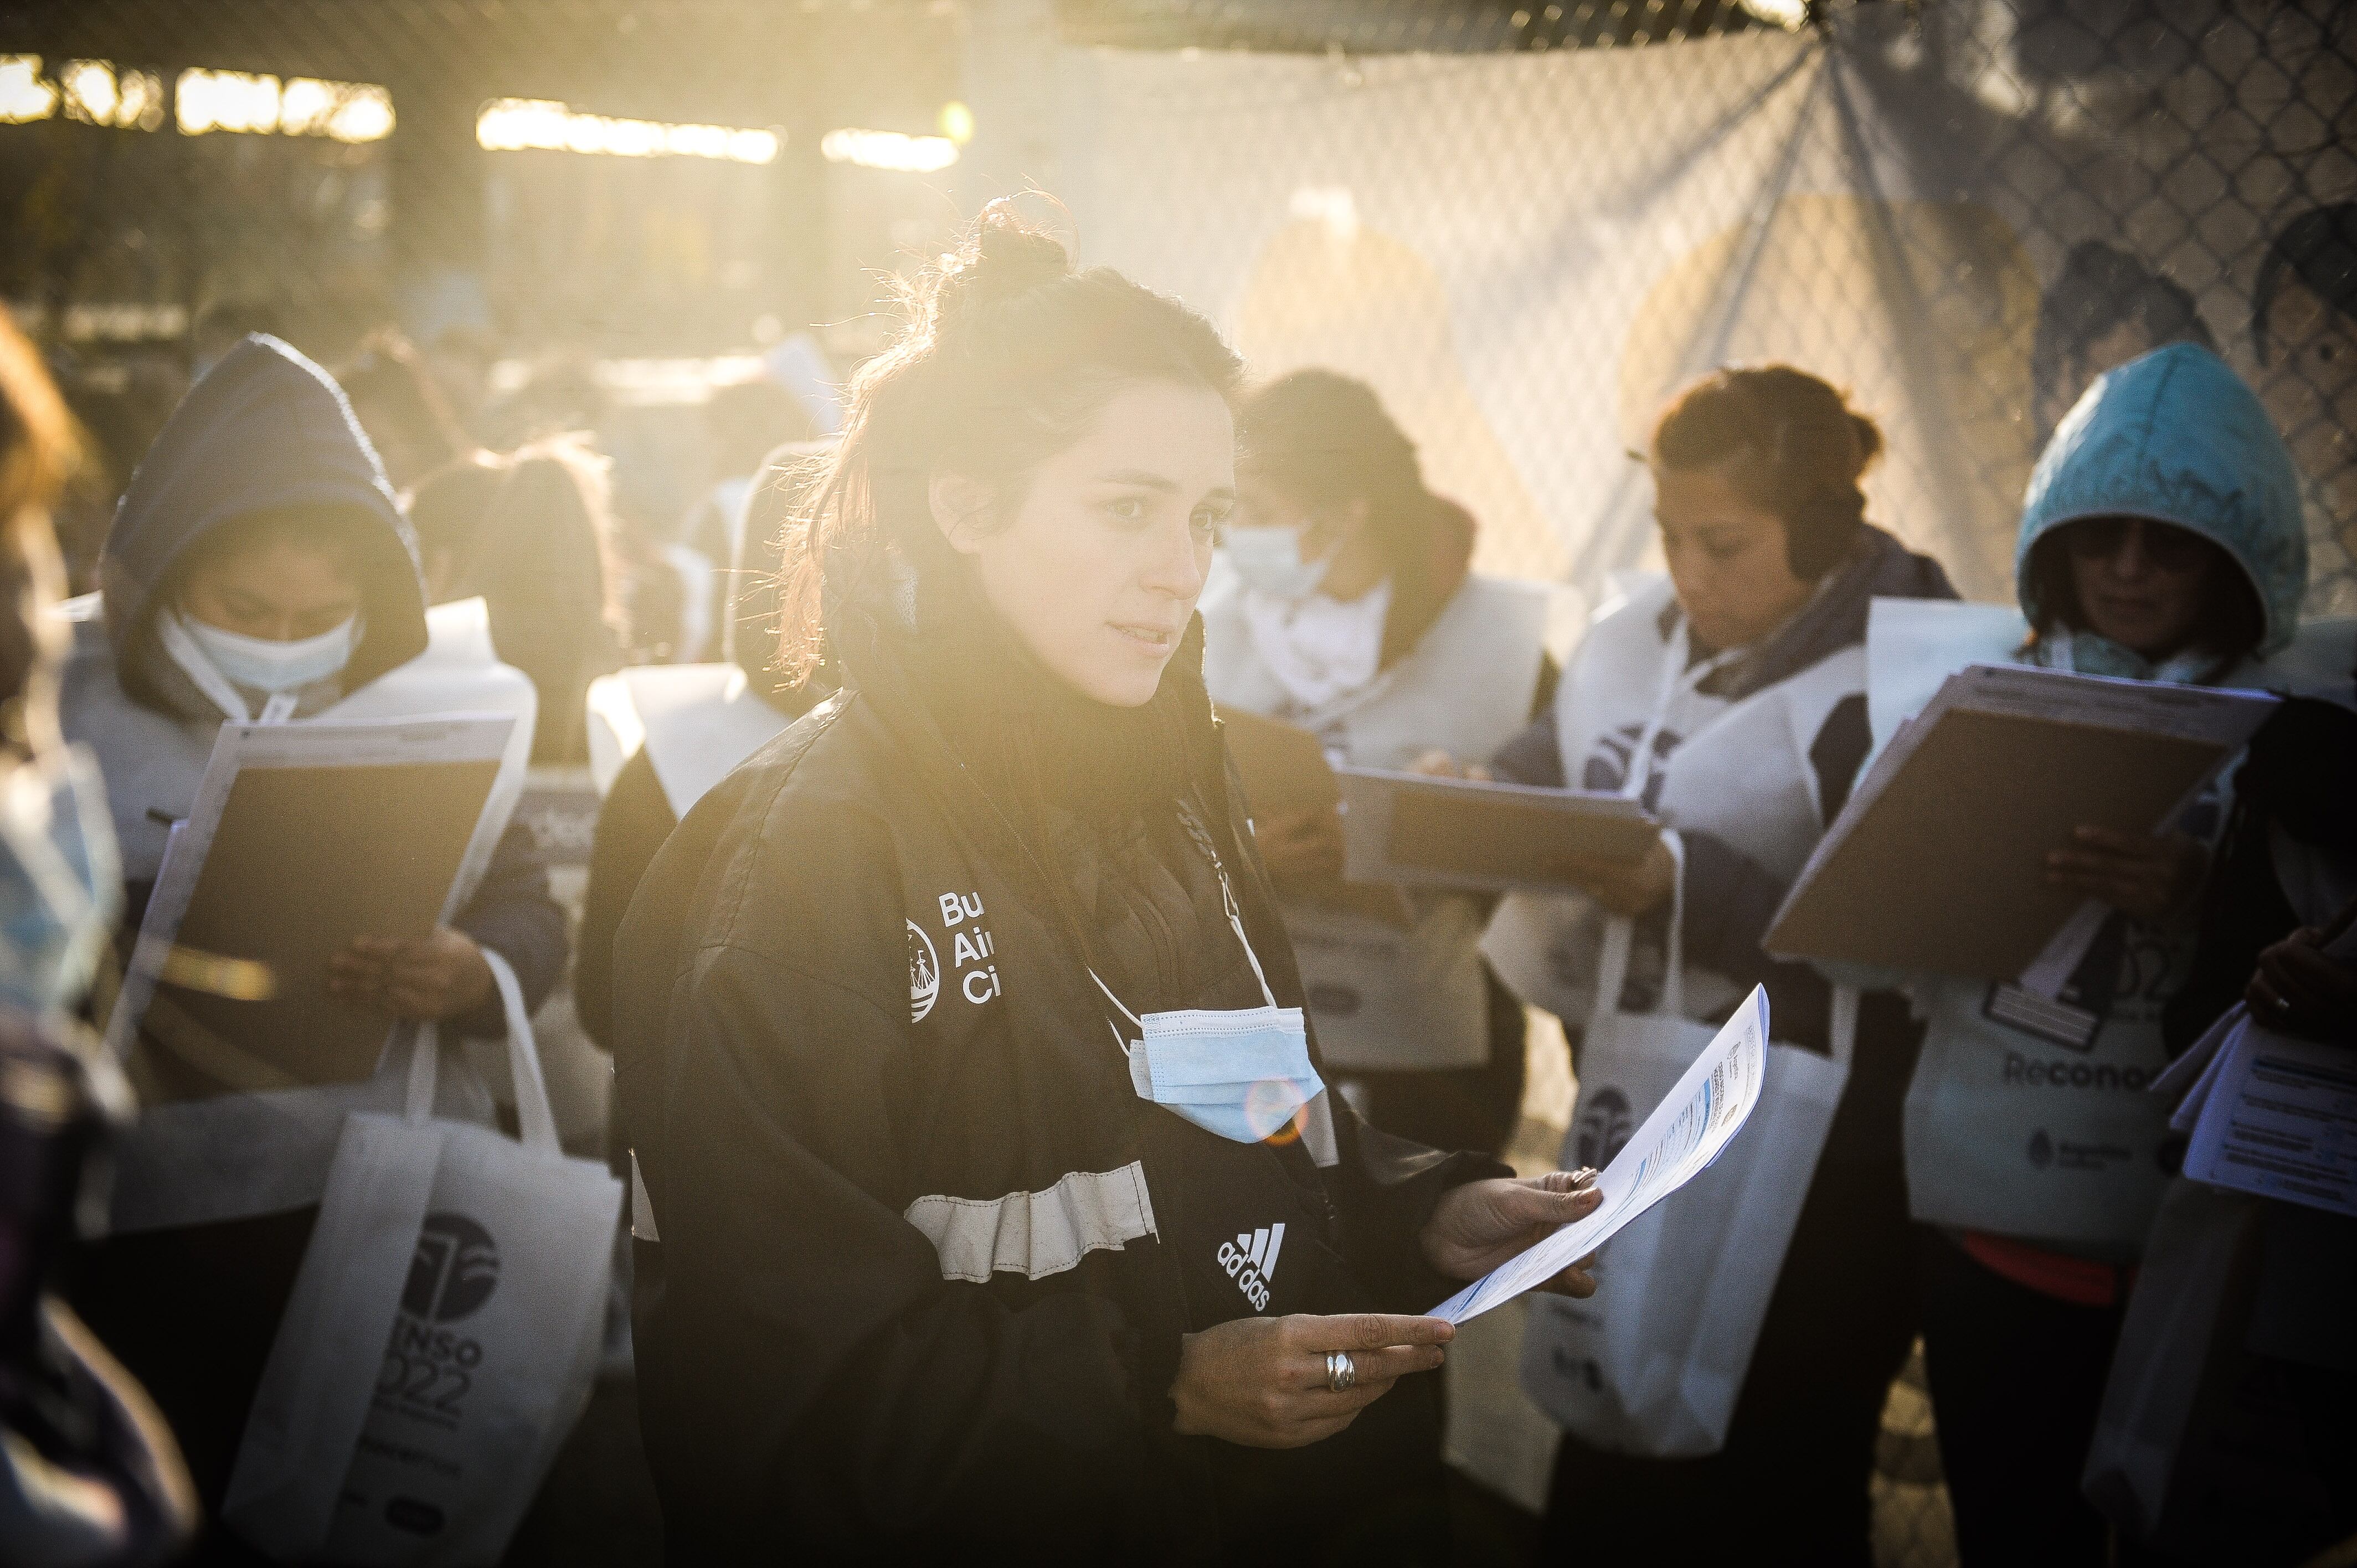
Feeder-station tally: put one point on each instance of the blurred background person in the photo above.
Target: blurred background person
(2160, 540)
(744, 422)
(2102, 309)
(2304, 331)
(223, 325)
(399, 403)
(640, 810)
(1344, 604)
(1772, 567)
(528, 531)
(258, 563)
(90, 1476)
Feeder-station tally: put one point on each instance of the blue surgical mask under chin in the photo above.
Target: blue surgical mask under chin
(60, 881)
(1268, 559)
(263, 665)
(1243, 1074)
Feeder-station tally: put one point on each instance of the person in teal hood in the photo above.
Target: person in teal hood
(2160, 540)
(2162, 535)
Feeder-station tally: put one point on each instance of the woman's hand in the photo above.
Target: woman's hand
(437, 976)
(1303, 850)
(1476, 1227)
(2299, 990)
(1261, 1381)
(2144, 877)
(1633, 888)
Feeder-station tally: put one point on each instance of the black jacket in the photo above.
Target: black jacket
(808, 1043)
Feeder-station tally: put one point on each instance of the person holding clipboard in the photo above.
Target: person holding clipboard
(1341, 603)
(999, 1208)
(2161, 540)
(259, 569)
(1729, 696)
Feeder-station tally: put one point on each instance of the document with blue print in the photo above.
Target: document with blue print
(1685, 1132)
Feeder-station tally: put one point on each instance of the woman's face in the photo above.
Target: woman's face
(1726, 558)
(279, 589)
(2145, 586)
(1099, 567)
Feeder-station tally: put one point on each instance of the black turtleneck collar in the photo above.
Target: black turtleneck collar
(1029, 738)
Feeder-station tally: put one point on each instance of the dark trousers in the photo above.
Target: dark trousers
(1789, 1486)
(2017, 1379)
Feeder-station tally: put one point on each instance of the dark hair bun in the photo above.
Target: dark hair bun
(1789, 443)
(1004, 257)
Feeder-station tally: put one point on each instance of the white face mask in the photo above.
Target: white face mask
(264, 665)
(1268, 558)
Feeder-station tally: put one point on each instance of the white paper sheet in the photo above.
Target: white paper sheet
(2277, 1118)
(1680, 1139)
(2188, 1080)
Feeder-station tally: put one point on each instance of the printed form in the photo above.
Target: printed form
(2270, 1115)
(1685, 1132)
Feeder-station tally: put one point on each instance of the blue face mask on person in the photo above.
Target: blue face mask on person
(60, 881)
(1268, 559)
(1242, 1073)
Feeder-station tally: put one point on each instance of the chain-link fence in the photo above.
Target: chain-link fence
(1525, 223)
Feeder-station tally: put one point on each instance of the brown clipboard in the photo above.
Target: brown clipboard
(304, 859)
(1937, 863)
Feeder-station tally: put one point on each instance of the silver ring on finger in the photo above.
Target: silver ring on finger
(1340, 1371)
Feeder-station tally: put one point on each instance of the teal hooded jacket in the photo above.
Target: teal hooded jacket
(2175, 436)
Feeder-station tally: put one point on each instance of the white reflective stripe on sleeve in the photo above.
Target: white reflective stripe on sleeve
(642, 1207)
(1036, 1234)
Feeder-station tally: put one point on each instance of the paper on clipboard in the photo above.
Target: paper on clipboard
(1963, 806)
(1694, 1121)
(1479, 835)
(301, 837)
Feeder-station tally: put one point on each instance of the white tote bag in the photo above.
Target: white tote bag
(1651, 1363)
(441, 1337)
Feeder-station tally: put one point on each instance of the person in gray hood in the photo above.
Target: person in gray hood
(258, 569)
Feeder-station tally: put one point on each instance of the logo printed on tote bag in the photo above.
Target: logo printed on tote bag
(1604, 1125)
(455, 1271)
(429, 1369)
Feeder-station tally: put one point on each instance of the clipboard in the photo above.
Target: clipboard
(1479, 836)
(1284, 767)
(1937, 863)
(1286, 773)
(301, 838)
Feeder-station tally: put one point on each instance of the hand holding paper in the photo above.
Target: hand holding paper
(1685, 1132)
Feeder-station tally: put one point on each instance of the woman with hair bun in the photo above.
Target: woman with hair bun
(1728, 695)
(990, 1199)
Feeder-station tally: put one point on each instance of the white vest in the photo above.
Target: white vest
(1738, 771)
(239, 1154)
(2010, 1130)
(1387, 998)
(697, 722)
